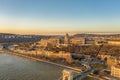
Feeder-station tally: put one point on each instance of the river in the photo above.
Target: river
(18, 68)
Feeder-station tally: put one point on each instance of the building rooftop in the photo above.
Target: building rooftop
(115, 40)
(117, 66)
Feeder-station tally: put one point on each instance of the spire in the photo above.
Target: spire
(67, 39)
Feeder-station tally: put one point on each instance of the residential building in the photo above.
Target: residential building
(114, 42)
(115, 71)
(1, 47)
(77, 41)
(89, 41)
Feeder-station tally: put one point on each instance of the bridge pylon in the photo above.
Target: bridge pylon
(67, 74)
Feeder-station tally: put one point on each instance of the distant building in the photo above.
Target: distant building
(115, 71)
(9, 36)
(1, 47)
(111, 60)
(77, 41)
(114, 42)
(66, 39)
(51, 41)
(95, 41)
(89, 41)
(99, 41)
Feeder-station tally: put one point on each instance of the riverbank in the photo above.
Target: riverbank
(40, 60)
(18, 68)
(77, 71)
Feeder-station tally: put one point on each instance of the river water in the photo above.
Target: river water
(18, 68)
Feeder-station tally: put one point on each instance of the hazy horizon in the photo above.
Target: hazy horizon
(59, 16)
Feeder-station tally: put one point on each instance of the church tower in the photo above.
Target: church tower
(66, 39)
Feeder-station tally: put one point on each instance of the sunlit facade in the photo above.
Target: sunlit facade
(115, 71)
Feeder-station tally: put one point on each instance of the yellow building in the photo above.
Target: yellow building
(78, 41)
(115, 71)
(1, 47)
(114, 42)
(51, 41)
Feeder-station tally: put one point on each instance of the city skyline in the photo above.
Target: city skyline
(59, 16)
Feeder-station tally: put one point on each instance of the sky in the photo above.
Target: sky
(59, 16)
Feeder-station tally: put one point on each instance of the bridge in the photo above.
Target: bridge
(68, 74)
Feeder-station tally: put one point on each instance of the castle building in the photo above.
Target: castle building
(51, 41)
